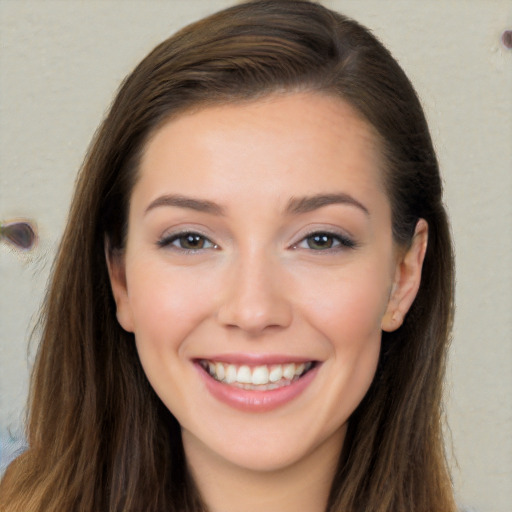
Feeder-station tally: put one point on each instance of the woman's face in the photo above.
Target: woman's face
(258, 273)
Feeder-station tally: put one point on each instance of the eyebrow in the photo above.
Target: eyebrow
(200, 205)
(298, 205)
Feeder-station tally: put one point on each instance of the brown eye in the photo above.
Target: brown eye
(320, 241)
(324, 241)
(191, 241)
(188, 241)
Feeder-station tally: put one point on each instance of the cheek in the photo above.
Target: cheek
(347, 311)
(347, 307)
(168, 305)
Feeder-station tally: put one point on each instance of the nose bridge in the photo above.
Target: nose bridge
(255, 297)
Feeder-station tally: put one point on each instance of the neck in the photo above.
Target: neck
(227, 487)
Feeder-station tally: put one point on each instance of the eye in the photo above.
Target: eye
(188, 241)
(323, 241)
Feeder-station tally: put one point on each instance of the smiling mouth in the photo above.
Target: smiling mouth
(256, 378)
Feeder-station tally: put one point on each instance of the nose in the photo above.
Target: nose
(255, 298)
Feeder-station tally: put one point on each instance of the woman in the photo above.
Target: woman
(252, 299)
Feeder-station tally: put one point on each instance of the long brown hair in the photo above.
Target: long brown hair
(100, 439)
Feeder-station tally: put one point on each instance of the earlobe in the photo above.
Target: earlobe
(117, 274)
(407, 279)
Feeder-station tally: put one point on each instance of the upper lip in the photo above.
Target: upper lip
(254, 359)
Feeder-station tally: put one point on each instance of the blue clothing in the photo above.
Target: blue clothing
(10, 447)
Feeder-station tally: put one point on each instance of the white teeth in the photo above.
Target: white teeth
(276, 374)
(264, 376)
(289, 371)
(260, 375)
(244, 375)
(230, 374)
(219, 371)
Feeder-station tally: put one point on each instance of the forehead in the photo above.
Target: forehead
(295, 140)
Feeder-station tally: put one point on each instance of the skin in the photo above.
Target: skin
(257, 284)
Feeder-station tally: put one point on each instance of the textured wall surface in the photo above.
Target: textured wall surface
(60, 63)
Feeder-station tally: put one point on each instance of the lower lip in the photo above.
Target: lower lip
(256, 401)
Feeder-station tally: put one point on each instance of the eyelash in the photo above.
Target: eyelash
(169, 240)
(337, 241)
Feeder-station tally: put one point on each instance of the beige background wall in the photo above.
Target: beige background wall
(60, 62)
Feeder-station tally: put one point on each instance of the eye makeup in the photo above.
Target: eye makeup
(326, 241)
(187, 241)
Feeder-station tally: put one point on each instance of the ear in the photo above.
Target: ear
(117, 274)
(407, 279)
